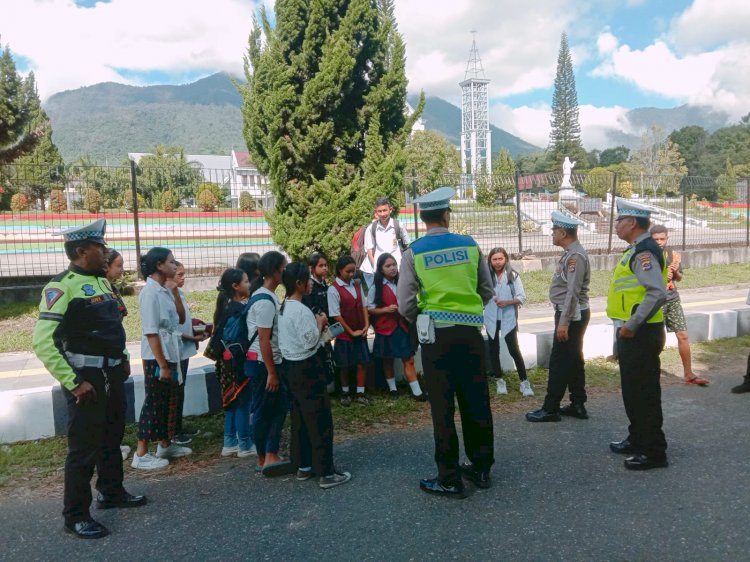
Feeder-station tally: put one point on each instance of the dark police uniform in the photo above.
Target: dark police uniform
(569, 295)
(636, 295)
(79, 337)
(444, 275)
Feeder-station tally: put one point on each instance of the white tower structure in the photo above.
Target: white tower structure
(476, 146)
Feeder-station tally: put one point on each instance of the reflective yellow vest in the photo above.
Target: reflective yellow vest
(625, 292)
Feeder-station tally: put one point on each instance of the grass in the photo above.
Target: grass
(39, 464)
(17, 319)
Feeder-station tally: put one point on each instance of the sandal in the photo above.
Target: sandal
(697, 381)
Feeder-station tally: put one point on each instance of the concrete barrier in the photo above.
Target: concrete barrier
(35, 413)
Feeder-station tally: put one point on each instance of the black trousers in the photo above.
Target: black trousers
(312, 423)
(566, 365)
(95, 430)
(453, 371)
(640, 369)
(511, 340)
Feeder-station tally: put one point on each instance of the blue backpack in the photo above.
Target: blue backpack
(233, 341)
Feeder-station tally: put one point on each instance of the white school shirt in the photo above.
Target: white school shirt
(506, 315)
(263, 315)
(159, 316)
(334, 299)
(385, 242)
(299, 336)
(371, 294)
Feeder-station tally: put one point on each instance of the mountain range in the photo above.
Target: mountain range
(106, 121)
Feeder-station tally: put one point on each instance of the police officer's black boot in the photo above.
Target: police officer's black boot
(744, 387)
(575, 410)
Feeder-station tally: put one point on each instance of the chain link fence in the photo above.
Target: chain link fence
(209, 216)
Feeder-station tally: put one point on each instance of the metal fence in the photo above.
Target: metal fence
(203, 216)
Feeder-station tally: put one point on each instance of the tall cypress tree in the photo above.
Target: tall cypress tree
(324, 117)
(565, 136)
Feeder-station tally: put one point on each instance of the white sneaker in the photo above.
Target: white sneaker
(148, 462)
(229, 451)
(173, 451)
(125, 451)
(526, 389)
(502, 388)
(251, 452)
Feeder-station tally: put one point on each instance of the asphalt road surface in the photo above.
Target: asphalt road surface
(558, 494)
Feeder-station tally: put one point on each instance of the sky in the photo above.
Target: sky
(626, 53)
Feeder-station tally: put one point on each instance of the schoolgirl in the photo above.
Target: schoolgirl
(391, 330)
(347, 306)
(301, 343)
(501, 317)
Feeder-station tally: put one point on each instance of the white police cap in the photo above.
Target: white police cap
(561, 220)
(93, 232)
(440, 198)
(628, 208)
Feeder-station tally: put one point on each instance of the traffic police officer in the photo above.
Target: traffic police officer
(444, 283)
(81, 341)
(569, 295)
(634, 303)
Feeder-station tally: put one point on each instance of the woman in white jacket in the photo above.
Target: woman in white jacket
(501, 318)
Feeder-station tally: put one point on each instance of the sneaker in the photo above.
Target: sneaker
(172, 452)
(502, 388)
(124, 451)
(303, 475)
(148, 462)
(346, 400)
(244, 453)
(526, 389)
(229, 451)
(181, 439)
(335, 479)
(190, 431)
(361, 398)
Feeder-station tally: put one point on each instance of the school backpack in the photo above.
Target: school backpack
(358, 251)
(231, 339)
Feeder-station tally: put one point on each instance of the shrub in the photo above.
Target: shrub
(57, 203)
(247, 203)
(19, 202)
(218, 193)
(486, 195)
(127, 201)
(168, 201)
(598, 183)
(92, 201)
(207, 201)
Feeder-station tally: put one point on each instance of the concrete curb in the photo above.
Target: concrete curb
(34, 413)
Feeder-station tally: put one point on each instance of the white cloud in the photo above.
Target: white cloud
(69, 46)
(706, 24)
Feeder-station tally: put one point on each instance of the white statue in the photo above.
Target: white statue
(567, 170)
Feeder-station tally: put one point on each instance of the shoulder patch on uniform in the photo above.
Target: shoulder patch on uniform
(88, 289)
(645, 259)
(51, 296)
(571, 265)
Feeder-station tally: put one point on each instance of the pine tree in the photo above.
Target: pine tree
(565, 136)
(17, 98)
(324, 117)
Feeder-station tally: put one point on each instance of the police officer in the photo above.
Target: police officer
(569, 295)
(634, 303)
(443, 286)
(80, 339)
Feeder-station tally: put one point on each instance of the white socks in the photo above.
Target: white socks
(360, 390)
(391, 384)
(416, 390)
(344, 390)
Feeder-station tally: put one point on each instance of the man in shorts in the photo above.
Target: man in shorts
(674, 317)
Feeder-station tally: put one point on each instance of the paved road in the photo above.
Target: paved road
(558, 494)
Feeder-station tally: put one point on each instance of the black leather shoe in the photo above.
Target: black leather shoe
(125, 500)
(742, 388)
(542, 415)
(643, 462)
(622, 447)
(432, 486)
(89, 529)
(480, 478)
(574, 410)
(420, 397)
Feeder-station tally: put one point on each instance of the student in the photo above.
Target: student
(348, 307)
(501, 317)
(161, 314)
(674, 316)
(190, 342)
(268, 388)
(248, 262)
(384, 234)
(301, 341)
(391, 330)
(234, 290)
(114, 267)
(317, 301)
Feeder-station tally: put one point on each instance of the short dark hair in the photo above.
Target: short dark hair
(659, 229)
(315, 257)
(342, 262)
(382, 201)
(296, 271)
(432, 215)
(248, 262)
(150, 262)
(643, 222)
(71, 248)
